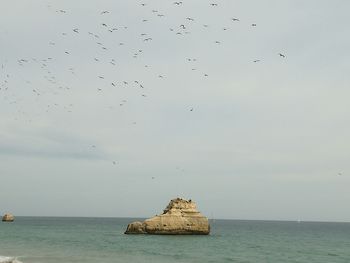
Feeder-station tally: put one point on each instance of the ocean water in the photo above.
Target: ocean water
(57, 240)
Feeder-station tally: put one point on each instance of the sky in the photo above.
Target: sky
(112, 108)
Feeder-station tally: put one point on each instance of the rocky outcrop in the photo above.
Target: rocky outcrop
(180, 217)
(8, 218)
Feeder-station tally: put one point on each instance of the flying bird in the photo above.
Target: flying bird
(104, 12)
(281, 55)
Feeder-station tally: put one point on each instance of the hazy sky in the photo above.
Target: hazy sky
(134, 109)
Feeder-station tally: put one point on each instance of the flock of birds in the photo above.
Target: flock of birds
(52, 84)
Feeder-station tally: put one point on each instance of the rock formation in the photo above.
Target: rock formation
(180, 217)
(8, 218)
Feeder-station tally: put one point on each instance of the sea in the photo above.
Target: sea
(102, 240)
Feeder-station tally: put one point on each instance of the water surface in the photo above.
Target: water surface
(53, 240)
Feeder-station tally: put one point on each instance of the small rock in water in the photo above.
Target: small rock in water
(8, 218)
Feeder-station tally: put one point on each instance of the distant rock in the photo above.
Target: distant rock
(8, 218)
(180, 217)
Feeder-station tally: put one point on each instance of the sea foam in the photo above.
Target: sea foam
(9, 260)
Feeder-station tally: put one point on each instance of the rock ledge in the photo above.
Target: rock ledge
(180, 217)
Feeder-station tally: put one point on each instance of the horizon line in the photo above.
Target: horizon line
(210, 219)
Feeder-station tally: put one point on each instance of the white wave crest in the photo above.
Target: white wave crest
(9, 260)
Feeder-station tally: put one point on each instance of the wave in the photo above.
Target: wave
(9, 260)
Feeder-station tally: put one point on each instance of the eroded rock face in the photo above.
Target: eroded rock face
(180, 217)
(8, 218)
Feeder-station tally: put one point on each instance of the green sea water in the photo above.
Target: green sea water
(53, 240)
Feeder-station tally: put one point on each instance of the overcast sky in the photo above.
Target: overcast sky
(115, 113)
